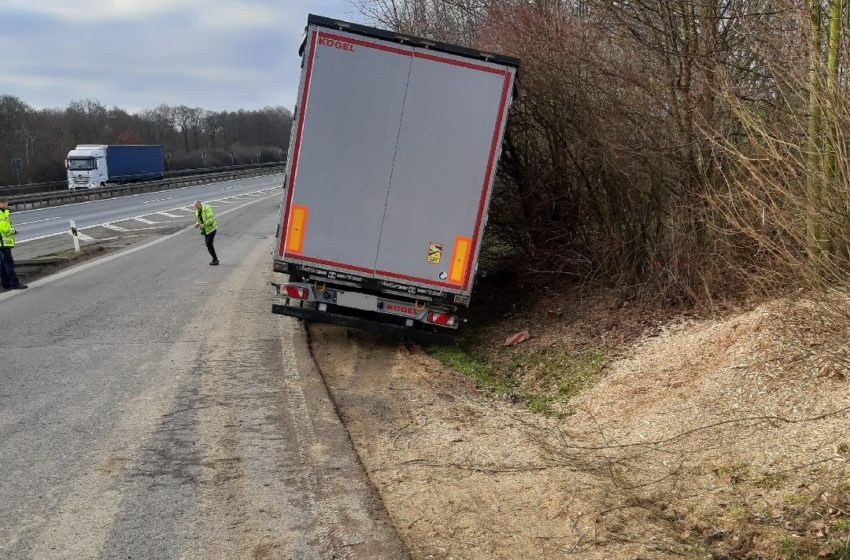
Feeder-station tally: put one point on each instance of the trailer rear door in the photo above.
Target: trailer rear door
(349, 119)
(448, 145)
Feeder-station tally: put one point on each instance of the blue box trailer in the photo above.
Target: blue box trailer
(134, 163)
(96, 165)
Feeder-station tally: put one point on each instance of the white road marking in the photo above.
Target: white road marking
(206, 185)
(167, 215)
(158, 200)
(264, 190)
(97, 262)
(226, 201)
(114, 227)
(38, 221)
(144, 221)
(149, 228)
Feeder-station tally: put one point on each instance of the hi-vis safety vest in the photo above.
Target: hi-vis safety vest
(7, 232)
(206, 219)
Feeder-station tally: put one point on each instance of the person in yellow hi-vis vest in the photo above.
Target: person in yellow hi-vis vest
(205, 220)
(7, 241)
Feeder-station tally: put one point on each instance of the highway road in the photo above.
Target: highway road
(151, 406)
(46, 222)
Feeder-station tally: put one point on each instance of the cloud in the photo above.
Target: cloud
(216, 54)
(241, 18)
(82, 11)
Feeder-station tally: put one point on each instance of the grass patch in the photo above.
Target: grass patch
(841, 526)
(736, 512)
(795, 500)
(771, 481)
(789, 548)
(795, 503)
(841, 551)
(561, 375)
(475, 368)
(538, 404)
(558, 375)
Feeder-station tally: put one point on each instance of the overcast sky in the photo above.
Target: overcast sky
(136, 54)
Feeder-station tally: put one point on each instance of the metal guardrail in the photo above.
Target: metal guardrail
(12, 190)
(66, 196)
(54, 186)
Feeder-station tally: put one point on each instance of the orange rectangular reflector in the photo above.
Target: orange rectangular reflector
(297, 226)
(459, 260)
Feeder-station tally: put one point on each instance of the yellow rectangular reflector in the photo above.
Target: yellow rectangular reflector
(297, 226)
(459, 260)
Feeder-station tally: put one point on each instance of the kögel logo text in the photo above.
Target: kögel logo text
(393, 307)
(328, 42)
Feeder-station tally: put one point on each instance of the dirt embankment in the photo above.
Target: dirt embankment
(712, 438)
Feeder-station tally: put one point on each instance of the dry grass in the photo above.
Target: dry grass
(721, 435)
(732, 431)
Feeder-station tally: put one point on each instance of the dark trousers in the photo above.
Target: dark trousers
(7, 270)
(210, 237)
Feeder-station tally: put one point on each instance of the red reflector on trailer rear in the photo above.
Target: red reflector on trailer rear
(442, 319)
(297, 292)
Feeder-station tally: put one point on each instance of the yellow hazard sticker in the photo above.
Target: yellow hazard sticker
(435, 252)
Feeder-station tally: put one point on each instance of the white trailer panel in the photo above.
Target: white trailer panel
(450, 133)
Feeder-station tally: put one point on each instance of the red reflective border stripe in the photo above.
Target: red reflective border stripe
(295, 152)
(494, 145)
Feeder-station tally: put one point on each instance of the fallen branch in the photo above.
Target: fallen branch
(482, 469)
(671, 439)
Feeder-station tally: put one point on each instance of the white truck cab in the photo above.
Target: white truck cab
(86, 166)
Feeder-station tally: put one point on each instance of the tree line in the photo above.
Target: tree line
(690, 150)
(191, 137)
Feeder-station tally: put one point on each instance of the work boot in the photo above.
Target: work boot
(214, 263)
(21, 287)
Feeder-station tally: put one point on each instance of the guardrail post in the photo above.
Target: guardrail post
(74, 235)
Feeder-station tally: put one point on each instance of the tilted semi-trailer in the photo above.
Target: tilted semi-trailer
(394, 149)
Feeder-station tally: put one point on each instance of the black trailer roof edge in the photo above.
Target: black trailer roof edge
(377, 33)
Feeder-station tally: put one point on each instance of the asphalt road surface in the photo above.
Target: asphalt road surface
(45, 222)
(151, 407)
